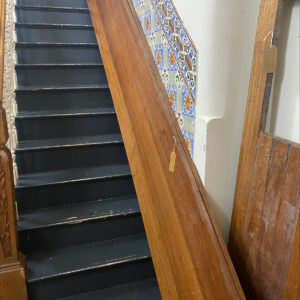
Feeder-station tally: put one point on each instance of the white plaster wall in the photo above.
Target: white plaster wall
(284, 111)
(224, 34)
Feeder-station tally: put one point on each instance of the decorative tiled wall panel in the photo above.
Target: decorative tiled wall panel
(175, 57)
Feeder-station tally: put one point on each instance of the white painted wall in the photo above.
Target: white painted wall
(224, 34)
(284, 111)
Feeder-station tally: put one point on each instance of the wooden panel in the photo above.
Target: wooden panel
(271, 218)
(263, 243)
(189, 255)
(252, 122)
(292, 291)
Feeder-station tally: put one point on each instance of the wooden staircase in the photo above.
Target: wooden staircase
(81, 223)
(79, 220)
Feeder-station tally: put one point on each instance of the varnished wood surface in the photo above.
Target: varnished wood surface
(189, 255)
(252, 121)
(263, 242)
(12, 275)
(271, 218)
(292, 289)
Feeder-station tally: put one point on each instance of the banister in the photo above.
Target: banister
(189, 255)
(12, 276)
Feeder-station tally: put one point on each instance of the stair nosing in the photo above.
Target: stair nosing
(26, 89)
(63, 65)
(39, 115)
(63, 146)
(124, 213)
(76, 180)
(53, 8)
(113, 262)
(45, 25)
(86, 269)
(38, 44)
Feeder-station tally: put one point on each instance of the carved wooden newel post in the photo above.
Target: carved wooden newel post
(12, 275)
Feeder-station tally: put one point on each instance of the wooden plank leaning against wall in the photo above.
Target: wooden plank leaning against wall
(12, 275)
(264, 240)
(189, 255)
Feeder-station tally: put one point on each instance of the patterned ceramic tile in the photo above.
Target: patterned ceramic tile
(175, 57)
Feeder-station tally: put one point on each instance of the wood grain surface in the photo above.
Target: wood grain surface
(264, 242)
(189, 255)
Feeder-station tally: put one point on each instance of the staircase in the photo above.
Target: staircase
(79, 220)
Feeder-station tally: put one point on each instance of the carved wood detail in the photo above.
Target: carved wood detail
(5, 234)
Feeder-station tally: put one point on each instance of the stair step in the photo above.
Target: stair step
(66, 113)
(70, 271)
(71, 175)
(65, 158)
(57, 53)
(36, 145)
(78, 213)
(66, 261)
(80, 223)
(46, 196)
(38, 33)
(139, 290)
(55, 3)
(60, 74)
(63, 98)
(35, 89)
(63, 124)
(52, 15)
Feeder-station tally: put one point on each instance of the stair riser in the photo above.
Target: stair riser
(55, 3)
(69, 235)
(60, 76)
(33, 16)
(71, 193)
(91, 280)
(57, 54)
(55, 35)
(74, 157)
(63, 100)
(59, 127)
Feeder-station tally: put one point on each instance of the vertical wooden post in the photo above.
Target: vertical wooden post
(12, 275)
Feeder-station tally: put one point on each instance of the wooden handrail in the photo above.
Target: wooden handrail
(12, 275)
(189, 255)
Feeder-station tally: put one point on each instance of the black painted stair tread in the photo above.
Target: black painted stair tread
(78, 213)
(57, 26)
(24, 44)
(139, 290)
(61, 88)
(59, 8)
(66, 112)
(72, 175)
(65, 3)
(45, 66)
(32, 145)
(67, 261)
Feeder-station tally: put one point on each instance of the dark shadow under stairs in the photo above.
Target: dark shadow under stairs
(79, 220)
